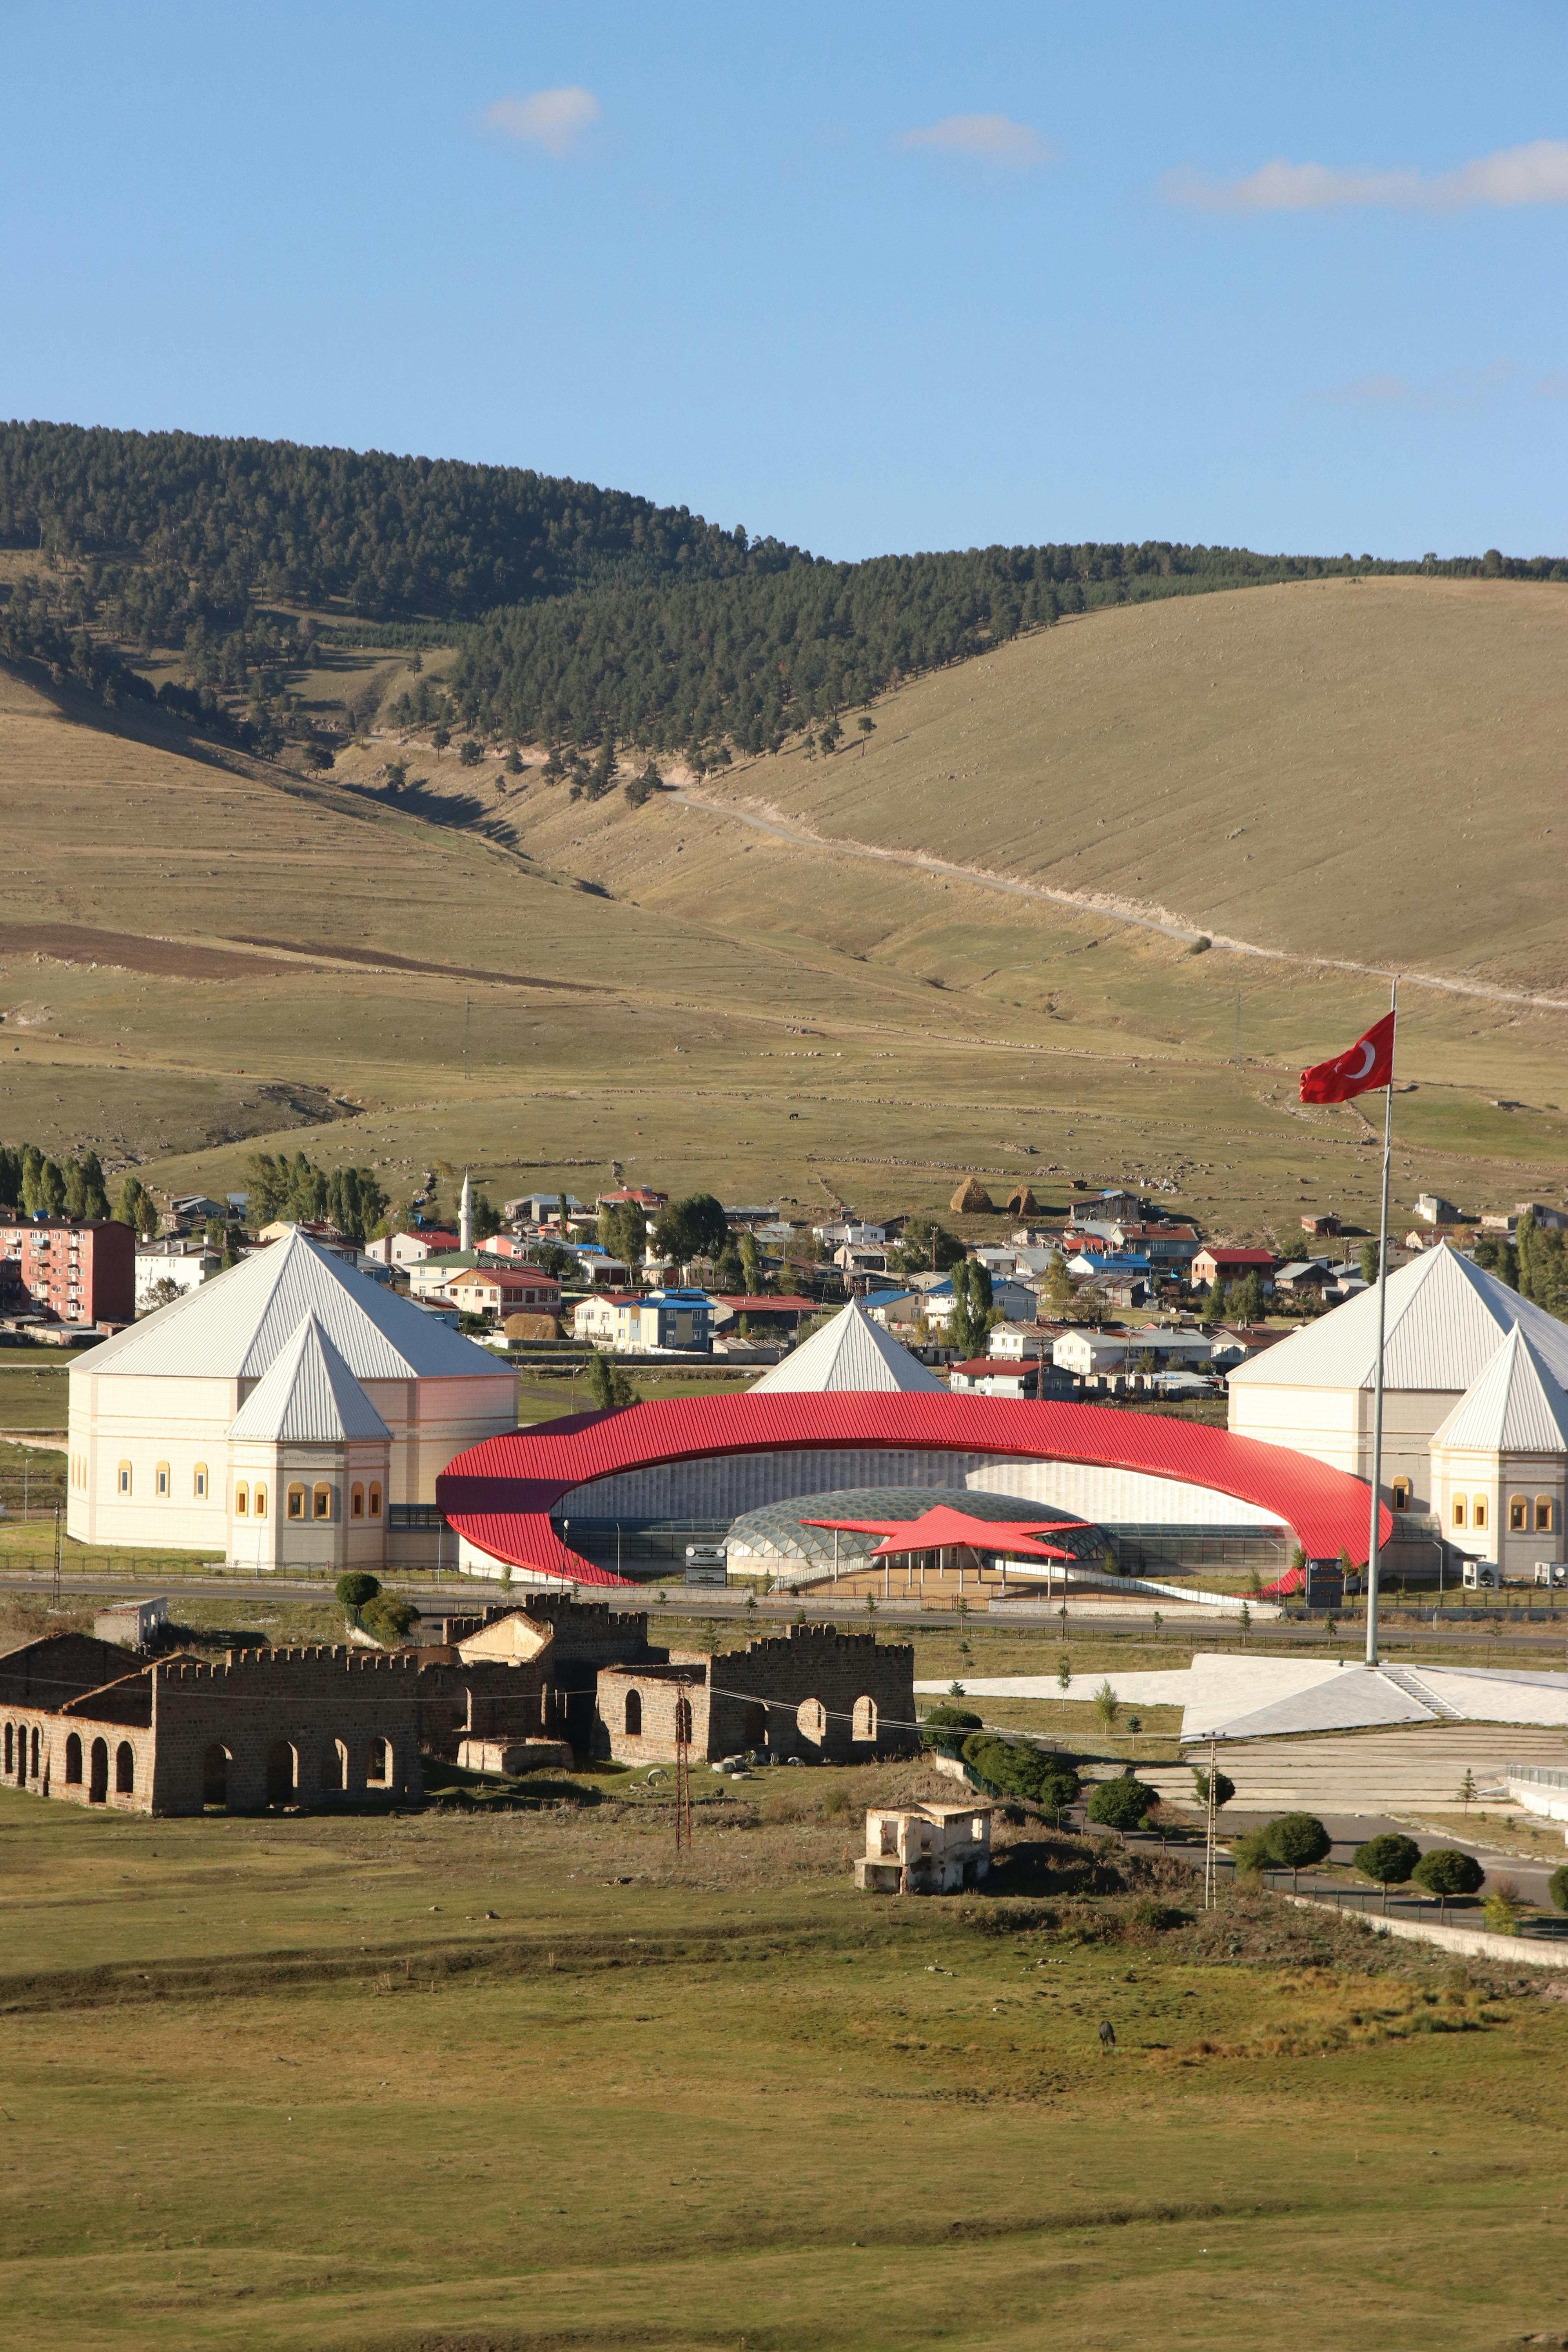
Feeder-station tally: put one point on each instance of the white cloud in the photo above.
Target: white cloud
(989, 138)
(552, 119)
(1460, 388)
(1554, 385)
(1536, 174)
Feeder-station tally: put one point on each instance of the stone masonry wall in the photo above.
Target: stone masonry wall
(331, 1705)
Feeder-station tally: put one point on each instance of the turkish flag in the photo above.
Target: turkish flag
(1368, 1066)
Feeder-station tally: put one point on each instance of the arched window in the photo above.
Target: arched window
(214, 1775)
(1459, 1510)
(863, 1719)
(281, 1764)
(356, 1503)
(35, 1751)
(811, 1718)
(295, 1506)
(160, 1479)
(633, 1716)
(375, 1498)
(379, 1767)
(1518, 1515)
(124, 1770)
(683, 1718)
(98, 1783)
(258, 1502)
(10, 1735)
(1477, 1510)
(1400, 1496)
(199, 1482)
(242, 1498)
(1545, 1516)
(124, 1479)
(334, 1767)
(73, 1759)
(321, 1503)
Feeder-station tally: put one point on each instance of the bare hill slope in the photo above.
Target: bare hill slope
(1364, 770)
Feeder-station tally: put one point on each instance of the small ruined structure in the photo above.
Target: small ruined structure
(929, 1848)
(970, 1200)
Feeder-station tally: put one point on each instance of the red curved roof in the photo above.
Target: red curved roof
(500, 1493)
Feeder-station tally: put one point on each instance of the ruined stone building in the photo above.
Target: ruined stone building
(93, 1723)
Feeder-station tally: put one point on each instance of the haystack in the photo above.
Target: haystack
(1021, 1202)
(530, 1326)
(970, 1200)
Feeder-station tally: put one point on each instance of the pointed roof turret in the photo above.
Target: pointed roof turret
(1514, 1407)
(309, 1397)
(850, 1352)
(1446, 1317)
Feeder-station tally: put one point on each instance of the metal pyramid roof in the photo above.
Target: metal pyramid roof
(850, 1352)
(309, 1396)
(1514, 1407)
(234, 1326)
(1446, 1317)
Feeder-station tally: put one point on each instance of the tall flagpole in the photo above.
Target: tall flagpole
(1372, 1546)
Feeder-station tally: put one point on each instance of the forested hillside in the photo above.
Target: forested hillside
(580, 613)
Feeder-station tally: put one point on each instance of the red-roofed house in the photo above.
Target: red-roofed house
(1217, 1263)
(996, 1376)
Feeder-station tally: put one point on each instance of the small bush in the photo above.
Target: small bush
(386, 1620)
(1557, 1888)
(1120, 1804)
(1150, 1912)
(355, 1587)
(1446, 1872)
(945, 1720)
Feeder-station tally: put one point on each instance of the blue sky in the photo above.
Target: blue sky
(867, 277)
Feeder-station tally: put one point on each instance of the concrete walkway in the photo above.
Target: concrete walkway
(1364, 1772)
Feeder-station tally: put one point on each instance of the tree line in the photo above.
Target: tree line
(280, 1187)
(387, 536)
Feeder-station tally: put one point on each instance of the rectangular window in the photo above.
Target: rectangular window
(1543, 1515)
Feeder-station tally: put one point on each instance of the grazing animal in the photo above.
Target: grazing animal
(1107, 2035)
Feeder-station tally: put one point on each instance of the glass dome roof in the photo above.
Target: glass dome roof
(775, 1532)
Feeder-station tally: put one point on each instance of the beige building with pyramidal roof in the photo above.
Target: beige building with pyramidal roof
(1475, 1405)
(288, 1412)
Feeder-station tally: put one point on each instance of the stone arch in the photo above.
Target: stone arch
(633, 1715)
(124, 1770)
(98, 1767)
(378, 1765)
(283, 1772)
(754, 1724)
(811, 1721)
(73, 1759)
(334, 1767)
(35, 1751)
(10, 1736)
(863, 1719)
(214, 1774)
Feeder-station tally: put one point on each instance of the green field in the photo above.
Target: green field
(527, 2079)
(188, 957)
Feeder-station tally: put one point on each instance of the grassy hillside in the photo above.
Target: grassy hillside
(191, 940)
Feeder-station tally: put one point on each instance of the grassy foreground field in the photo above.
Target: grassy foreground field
(201, 954)
(528, 2080)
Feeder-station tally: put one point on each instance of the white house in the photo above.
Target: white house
(160, 1443)
(1500, 1462)
(1446, 1318)
(185, 1264)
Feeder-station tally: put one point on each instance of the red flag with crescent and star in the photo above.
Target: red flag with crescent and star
(1368, 1065)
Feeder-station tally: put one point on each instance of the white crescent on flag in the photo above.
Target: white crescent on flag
(1368, 1056)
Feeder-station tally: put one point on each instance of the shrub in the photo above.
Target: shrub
(355, 1587)
(1224, 1786)
(1296, 1841)
(387, 1620)
(1250, 1851)
(1557, 1888)
(1043, 1779)
(1389, 1859)
(1120, 1804)
(946, 1719)
(1446, 1872)
(1501, 1912)
(1150, 1912)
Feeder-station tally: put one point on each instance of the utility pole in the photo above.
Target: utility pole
(1373, 1543)
(1211, 1825)
(60, 1545)
(682, 1772)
